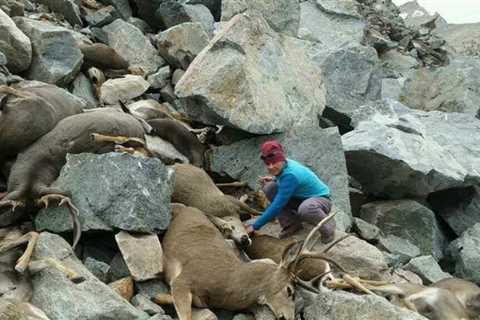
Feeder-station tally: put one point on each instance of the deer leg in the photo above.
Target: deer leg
(22, 262)
(130, 141)
(41, 264)
(163, 298)
(74, 212)
(182, 299)
(14, 204)
(356, 284)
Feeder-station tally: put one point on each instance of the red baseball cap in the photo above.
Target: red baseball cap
(272, 152)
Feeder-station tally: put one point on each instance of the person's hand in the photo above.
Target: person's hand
(263, 180)
(249, 229)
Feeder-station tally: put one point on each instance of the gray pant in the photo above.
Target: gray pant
(311, 210)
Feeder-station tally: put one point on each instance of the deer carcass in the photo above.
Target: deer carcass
(28, 112)
(468, 293)
(39, 165)
(431, 302)
(194, 187)
(201, 268)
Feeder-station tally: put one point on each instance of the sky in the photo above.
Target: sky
(454, 11)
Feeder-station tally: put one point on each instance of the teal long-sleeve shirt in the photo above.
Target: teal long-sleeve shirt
(295, 181)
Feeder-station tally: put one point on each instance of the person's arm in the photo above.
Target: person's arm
(286, 188)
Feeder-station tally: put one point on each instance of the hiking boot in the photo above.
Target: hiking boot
(289, 231)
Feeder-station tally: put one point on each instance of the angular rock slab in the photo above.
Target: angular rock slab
(143, 255)
(342, 305)
(398, 152)
(61, 299)
(253, 78)
(15, 45)
(132, 45)
(112, 191)
(56, 58)
(466, 253)
(319, 149)
(453, 88)
(407, 219)
(68, 8)
(427, 268)
(282, 15)
(122, 89)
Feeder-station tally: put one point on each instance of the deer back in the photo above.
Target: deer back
(468, 293)
(197, 254)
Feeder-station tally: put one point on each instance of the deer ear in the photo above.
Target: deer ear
(291, 253)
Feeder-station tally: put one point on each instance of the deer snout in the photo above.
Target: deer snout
(245, 241)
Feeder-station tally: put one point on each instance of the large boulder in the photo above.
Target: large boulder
(383, 151)
(15, 45)
(319, 149)
(282, 15)
(135, 194)
(56, 58)
(352, 78)
(62, 299)
(253, 78)
(132, 45)
(452, 88)
(407, 219)
(173, 12)
(465, 251)
(332, 23)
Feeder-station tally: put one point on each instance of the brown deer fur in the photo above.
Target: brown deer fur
(201, 268)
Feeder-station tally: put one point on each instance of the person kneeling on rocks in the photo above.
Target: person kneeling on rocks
(296, 194)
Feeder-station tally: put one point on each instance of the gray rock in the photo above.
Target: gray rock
(123, 89)
(402, 249)
(383, 151)
(215, 6)
(82, 88)
(143, 255)
(462, 37)
(160, 317)
(130, 43)
(102, 17)
(316, 148)
(252, 78)
(15, 45)
(122, 6)
(366, 230)
(160, 78)
(341, 19)
(99, 269)
(282, 15)
(62, 299)
(466, 253)
(136, 199)
(177, 75)
(146, 305)
(414, 15)
(180, 44)
(453, 88)
(68, 8)
(151, 288)
(342, 305)
(358, 258)
(56, 59)
(118, 268)
(398, 62)
(391, 88)
(409, 220)
(352, 78)
(172, 13)
(427, 268)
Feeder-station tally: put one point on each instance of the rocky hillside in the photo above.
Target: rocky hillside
(382, 103)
